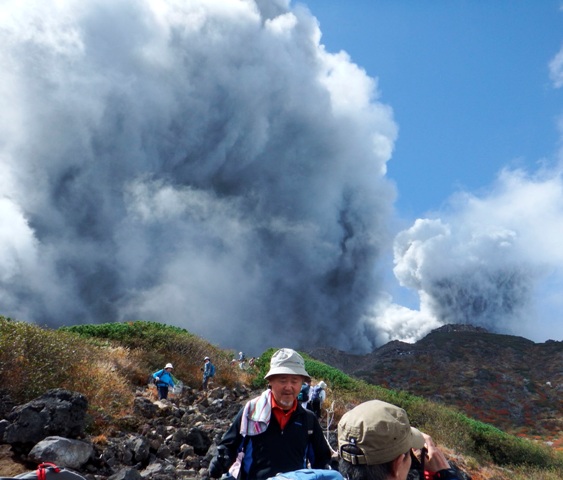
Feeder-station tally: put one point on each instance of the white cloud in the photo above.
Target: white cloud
(556, 70)
(484, 260)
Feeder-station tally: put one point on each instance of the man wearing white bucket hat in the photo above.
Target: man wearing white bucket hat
(273, 433)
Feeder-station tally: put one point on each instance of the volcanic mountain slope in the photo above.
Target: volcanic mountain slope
(507, 381)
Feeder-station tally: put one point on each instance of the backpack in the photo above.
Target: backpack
(212, 370)
(304, 393)
(48, 471)
(316, 393)
(309, 474)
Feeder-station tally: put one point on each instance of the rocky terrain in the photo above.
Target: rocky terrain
(160, 440)
(508, 381)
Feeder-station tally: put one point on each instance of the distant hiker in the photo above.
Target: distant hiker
(375, 440)
(303, 396)
(208, 372)
(273, 432)
(317, 397)
(163, 379)
(251, 361)
(241, 360)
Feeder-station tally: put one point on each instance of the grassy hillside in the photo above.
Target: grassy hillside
(106, 362)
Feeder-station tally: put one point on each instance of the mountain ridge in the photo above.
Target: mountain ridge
(508, 381)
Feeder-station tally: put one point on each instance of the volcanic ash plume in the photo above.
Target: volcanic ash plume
(205, 164)
(493, 261)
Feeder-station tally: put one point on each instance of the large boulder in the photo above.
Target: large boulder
(56, 413)
(61, 451)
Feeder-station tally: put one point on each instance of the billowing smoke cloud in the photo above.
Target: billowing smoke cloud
(205, 164)
(492, 261)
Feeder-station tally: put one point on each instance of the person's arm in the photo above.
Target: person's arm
(227, 449)
(157, 374)
(321, 449)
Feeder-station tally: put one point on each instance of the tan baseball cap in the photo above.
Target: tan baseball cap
(380, 430)
(287, 362)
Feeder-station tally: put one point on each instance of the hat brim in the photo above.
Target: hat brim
(418, 440)
(288, 371)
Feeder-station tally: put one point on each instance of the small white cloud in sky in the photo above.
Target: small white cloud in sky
(556, 70)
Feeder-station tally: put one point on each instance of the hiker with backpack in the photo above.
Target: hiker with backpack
(208, 372)
(273, 433)
(303, 396)
(317, 397)
(376, 441)
(163, 380)
(241, 360)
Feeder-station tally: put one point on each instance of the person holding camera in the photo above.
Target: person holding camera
(273, 433)
(376, 442)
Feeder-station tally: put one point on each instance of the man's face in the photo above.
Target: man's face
(285, 388)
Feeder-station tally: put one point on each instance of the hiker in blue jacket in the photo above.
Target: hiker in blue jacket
(316, 398)
(273, 432)
(208, 372)
(163, 379)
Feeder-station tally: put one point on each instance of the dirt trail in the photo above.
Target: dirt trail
(9, 467)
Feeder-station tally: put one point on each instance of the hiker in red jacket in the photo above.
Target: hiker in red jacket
(273, 433)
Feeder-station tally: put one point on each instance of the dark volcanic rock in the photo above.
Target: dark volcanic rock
(56, 413)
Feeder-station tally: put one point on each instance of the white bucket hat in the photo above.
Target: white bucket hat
(287, 362)
(169, 365)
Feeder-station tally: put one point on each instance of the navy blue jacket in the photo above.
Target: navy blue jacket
(276, 451)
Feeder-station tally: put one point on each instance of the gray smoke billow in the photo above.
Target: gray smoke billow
(493, 261)
(208, 164)
(205, 164)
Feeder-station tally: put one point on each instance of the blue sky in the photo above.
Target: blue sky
(468, 82)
